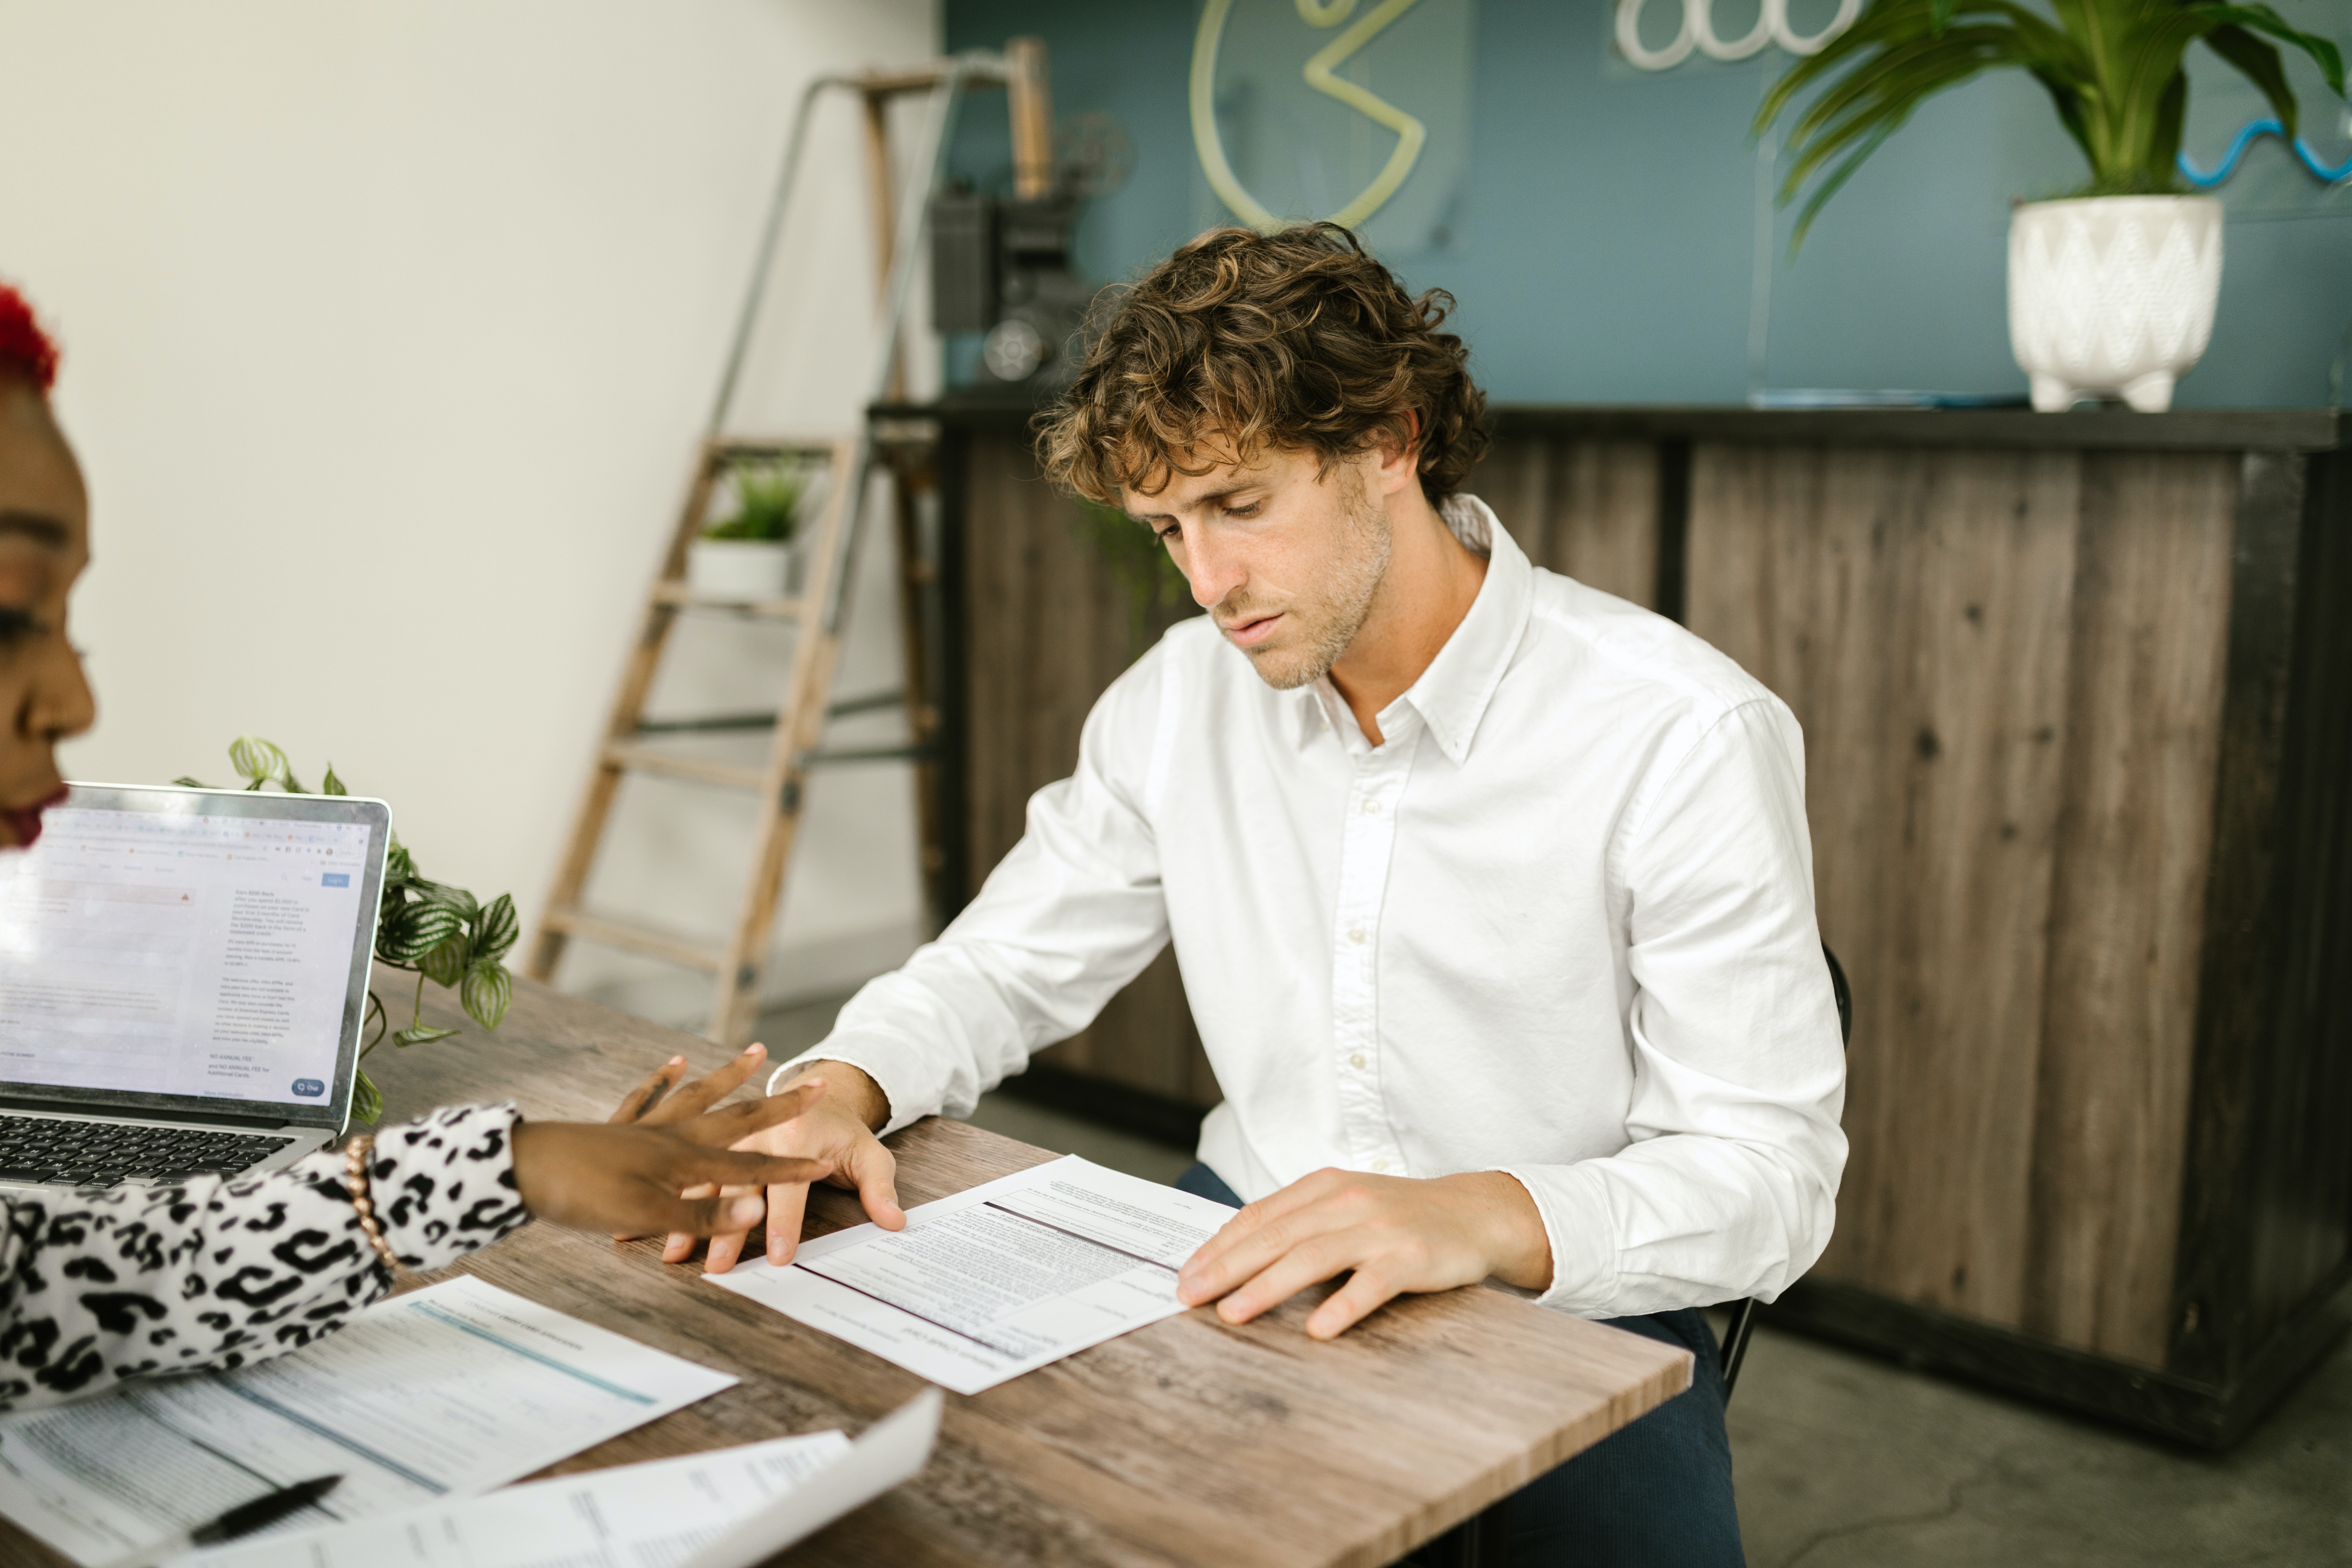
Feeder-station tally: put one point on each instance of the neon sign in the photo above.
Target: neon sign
(1697, 31)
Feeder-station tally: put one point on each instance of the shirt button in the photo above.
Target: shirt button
(1357, 935)
(1371, 808)
(1380, 1167)
(1357, 1060)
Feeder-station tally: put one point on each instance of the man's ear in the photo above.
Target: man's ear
(1399, 451)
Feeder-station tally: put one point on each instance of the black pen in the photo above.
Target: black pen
(243, 1519)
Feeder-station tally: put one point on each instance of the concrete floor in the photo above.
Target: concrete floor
(1846, 1461)
(1843, 1460)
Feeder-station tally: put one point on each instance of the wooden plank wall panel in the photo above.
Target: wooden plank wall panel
(1049, 630)
(1912, 608)
(1587, 510)
(2302, 1233)
(2127, 913)
(2267, 1192)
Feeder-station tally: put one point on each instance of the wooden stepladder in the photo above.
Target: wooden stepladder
(779, 783)
(631, 743)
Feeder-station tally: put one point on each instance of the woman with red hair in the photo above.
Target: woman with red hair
(96, 1285)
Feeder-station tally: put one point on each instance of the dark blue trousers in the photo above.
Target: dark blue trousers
(1655, 1493)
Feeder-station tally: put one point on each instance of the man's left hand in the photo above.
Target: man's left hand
(1398, 1235)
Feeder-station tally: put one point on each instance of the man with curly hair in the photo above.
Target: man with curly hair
(1492, 893)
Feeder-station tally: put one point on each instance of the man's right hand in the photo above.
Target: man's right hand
(839, 1130)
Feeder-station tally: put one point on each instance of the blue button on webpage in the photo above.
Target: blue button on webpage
(309, 1087)
(335, 879)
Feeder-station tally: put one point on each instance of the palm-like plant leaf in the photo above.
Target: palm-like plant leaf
(2264, 20)
(2113, 69)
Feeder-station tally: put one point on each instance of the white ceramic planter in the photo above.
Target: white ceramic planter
(739, 569)
(2111, 295)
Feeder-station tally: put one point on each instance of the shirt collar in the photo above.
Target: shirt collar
(1452, 693)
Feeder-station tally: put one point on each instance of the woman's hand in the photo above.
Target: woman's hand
(626, 1176)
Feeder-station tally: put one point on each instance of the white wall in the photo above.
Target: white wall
(389, 330)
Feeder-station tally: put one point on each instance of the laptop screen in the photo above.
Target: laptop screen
(170, 947)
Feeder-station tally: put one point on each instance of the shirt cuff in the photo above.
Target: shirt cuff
(898, 1070)
(444, 1184)
(1575, 1212)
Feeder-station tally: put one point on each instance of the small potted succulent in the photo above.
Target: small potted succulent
(2112, 288)
(749, 555)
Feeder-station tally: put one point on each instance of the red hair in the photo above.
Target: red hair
(24, 347)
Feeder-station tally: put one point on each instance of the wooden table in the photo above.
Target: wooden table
(1186, 1442)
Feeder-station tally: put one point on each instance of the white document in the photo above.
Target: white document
(1000, 1279)
(726, 1509)
(890, 1451)
(443, 1393)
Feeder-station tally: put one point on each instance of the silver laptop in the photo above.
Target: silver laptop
(183, 973)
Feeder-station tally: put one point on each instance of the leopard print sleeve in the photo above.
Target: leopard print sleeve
(97, 1287)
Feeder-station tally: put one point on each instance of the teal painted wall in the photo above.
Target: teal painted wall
(1604, 238)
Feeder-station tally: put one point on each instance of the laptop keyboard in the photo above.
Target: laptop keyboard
(105, 1153)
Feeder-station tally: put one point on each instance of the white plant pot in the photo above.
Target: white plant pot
(2111, 295)
(739, 569)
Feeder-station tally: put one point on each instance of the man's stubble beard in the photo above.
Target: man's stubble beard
(1325, 623)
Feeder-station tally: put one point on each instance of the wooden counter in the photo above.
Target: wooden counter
(2077, 697)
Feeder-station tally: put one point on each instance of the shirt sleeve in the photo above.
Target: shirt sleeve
(1729, 1186)
(97, 1287)
(1065, 920)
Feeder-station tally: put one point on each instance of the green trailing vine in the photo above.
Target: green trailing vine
(429, 928)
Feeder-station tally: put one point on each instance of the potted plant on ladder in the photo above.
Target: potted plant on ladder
(749, 556)
(2111, 289)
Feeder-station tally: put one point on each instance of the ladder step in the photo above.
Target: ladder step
(679, 596)
(631, 937)
(713, 722)
(737, 448)
(639, 759)
(708, 723)
(916, 752)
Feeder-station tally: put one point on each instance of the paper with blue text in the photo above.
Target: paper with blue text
(445, 1392)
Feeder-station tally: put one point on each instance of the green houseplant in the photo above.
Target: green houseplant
(748, 553)
(2111, 289)
(429, 928)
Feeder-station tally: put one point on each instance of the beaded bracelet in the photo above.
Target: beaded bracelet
(355, 1182)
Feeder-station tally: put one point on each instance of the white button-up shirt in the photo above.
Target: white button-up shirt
(1559, 923)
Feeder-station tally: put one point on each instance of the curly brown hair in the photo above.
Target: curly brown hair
(1241, 342)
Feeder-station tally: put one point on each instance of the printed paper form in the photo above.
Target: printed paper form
(445, 1392)
(1000, 1279)
(633, 1516)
